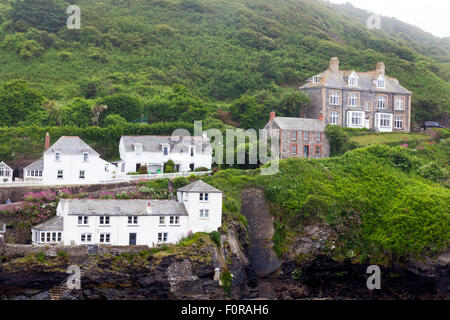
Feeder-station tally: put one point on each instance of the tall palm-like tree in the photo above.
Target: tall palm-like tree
(96, 111)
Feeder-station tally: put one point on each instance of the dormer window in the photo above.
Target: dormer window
(381, 83)
(85, 156)
(57, 156)
(353, 80)
(138, 149)
(315, 79)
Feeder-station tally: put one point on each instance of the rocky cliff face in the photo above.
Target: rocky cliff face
(190, 272)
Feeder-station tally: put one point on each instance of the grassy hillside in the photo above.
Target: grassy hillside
(219, 50)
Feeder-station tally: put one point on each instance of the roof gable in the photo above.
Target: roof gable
(199, 186)
(70, 146)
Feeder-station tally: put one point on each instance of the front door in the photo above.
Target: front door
(306, 151)
(132, 239)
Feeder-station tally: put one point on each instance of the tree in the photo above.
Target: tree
(54, 111)
(96, 111)
(20, 101)
(49, 15)
(114, 119)
(77, 113)
(125, 105)
(248, 112)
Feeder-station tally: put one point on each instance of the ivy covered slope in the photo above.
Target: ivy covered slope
(218, 50)
(384, 204)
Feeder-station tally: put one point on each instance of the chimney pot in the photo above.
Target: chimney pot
(272, 115)
(47, 141)
(334, 64)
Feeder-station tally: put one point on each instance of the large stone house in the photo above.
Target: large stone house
(69, 161)
(188, 153)
(299, 137)
(198, 208)
(359, 99)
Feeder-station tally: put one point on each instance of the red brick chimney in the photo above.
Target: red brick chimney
(321, 117)
(47, 141)
(272, 115)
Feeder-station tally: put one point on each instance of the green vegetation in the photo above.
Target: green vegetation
(226, 278)
(215, 237)
(227, 63)
(380, 201)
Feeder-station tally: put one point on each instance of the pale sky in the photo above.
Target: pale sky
(429, 15)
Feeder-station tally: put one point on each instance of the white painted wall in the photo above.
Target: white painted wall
(200, 159)
(148, 226)
(71, 165)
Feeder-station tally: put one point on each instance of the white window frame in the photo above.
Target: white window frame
(204, 214)
(355, 115)
(104, 220)
(85, 156)
(162, 220)
(138, 149)
(174, 220)
(162, 237)
(381, 82)
(133, 220)
(57, 156)
(58, 176)
(398, 120)
(353, 100)
(204, 197)
(105, 237)
(315, 79)
(353, 80)
(82, 176)
(334, 118)
(382, 102)
(382, 117)
(335, 98)
(84, 220)
(399, 103)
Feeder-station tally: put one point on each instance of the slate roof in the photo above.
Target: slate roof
(154, 143)
(199, 186)
(366, 82)
(70, 145)
(300, 124)
(133, 207)
(37, 165)
(53, 224)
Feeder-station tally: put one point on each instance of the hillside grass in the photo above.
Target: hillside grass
(390, 138)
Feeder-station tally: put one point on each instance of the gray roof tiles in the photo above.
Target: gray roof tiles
(199, 186)
(71, 146)
(177, 144)
(125, 207)
(366, 82)
(300, 124)
(53, 224)
(36, 165)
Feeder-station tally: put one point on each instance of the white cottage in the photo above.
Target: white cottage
(188, 153)
(198, 208)
(70, 161)
(6, 173)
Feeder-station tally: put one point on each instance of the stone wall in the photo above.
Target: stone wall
(74, 251)
(15, 194)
